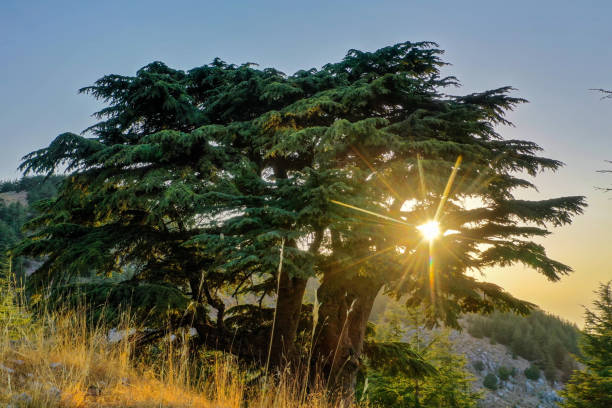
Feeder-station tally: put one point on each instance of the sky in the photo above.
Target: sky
(552, 52)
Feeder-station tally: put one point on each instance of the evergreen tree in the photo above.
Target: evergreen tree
(194, 179)
(449, 386)
(592, 386)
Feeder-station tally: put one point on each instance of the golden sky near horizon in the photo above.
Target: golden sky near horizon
(585, 245)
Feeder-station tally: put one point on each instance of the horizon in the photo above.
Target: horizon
(553, 54)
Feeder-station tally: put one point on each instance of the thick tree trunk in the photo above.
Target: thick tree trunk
(288, 309)
(344, 313)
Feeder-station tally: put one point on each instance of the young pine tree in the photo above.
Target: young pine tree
(591, 387)
(449, 386)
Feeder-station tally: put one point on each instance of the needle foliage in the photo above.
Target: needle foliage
(191, 179)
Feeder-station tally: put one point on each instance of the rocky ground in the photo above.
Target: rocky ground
(517, 391)
(15, 197)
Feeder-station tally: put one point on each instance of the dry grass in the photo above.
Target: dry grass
(60, 361)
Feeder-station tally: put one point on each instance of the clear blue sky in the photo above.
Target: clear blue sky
(552, 51)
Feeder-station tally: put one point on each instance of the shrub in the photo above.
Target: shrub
(490, 381)
(478, 365)
(532, 373)
(504, 373)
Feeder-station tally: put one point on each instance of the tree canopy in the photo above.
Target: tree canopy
(191, 182)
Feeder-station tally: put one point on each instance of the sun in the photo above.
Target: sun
(430, 230)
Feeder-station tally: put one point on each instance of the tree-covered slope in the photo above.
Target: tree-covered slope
(545, 339)
(17, 206)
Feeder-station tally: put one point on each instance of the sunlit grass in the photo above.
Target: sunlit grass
(61, 361)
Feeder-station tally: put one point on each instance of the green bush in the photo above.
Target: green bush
(490, 381)
(504, 373)
(478, 365)
(532, 373)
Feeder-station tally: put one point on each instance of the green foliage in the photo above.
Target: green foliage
(397, 359)
(479, 365)
(532, 373)
(504, 373)
(448, 384)
(191, 179)
(490, 381)
(592, 386)
(545, 339)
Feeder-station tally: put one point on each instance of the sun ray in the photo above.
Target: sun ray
(371, 213)
(476, 186)
(412, 260)
(376, 173)
(431, 270)
(376, 221)
(430, 229)
(447, 189)
(421, 178)
(365, 258)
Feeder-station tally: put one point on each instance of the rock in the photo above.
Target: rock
(22, 398)
(93, 391)
(6, 369)
(115, 335)
(56, 365)
(54, 392)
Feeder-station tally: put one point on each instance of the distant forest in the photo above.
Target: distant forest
(545, 339)
(13, 214)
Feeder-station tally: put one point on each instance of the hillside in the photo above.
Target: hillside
(517, 390)
(16, 206)
(524, 360)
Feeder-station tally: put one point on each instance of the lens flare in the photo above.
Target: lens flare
(430, 230)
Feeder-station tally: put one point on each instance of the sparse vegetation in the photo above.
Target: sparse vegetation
(490, 381)
(532, 373)
(504, 373)
(547, 340)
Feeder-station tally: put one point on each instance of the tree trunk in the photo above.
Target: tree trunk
(288, 309)
(345, 309)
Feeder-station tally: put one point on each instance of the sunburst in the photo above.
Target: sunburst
(431, 229)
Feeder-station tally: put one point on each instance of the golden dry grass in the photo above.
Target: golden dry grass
(59, 361)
